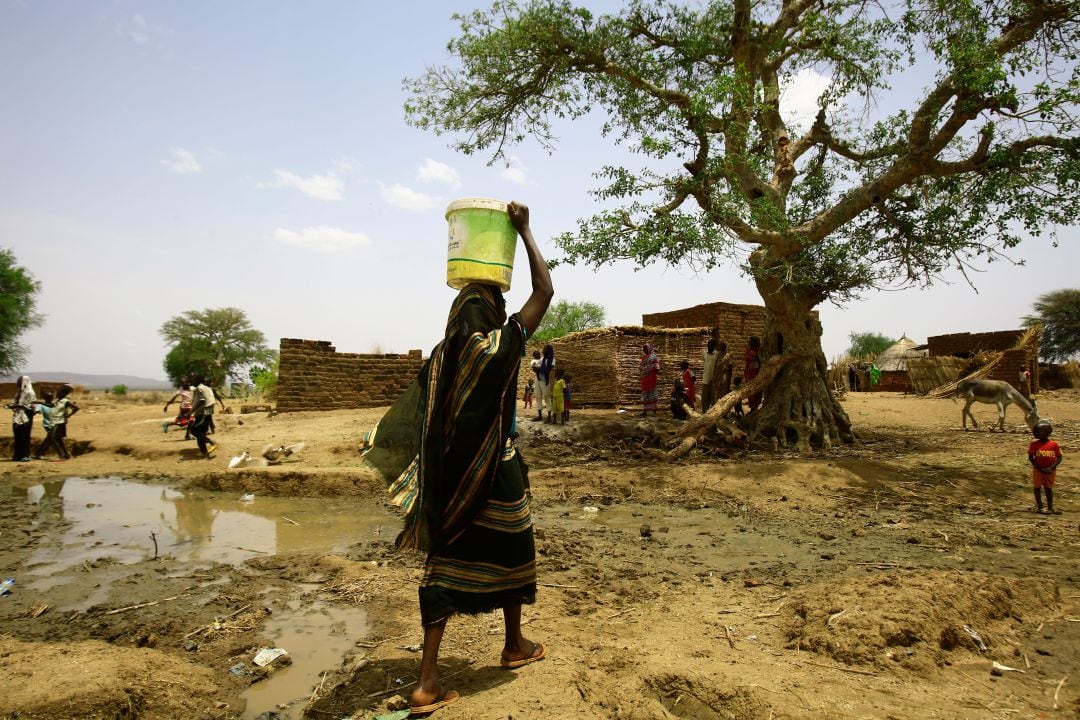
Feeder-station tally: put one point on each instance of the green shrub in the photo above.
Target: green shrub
(118, 390)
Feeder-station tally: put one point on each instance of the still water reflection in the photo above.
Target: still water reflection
(85, 520)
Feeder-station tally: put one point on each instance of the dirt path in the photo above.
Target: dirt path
(880, 581)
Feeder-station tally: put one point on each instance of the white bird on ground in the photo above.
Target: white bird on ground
(245, 460)
(275, 455)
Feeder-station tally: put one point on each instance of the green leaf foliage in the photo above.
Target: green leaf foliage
(18, 300)
(952, 176)
(565, 317)
(865, 344)
(214, 343)
(1059, 314)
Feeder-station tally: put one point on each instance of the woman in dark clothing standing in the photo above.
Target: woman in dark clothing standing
(446, 448)
(22, 419)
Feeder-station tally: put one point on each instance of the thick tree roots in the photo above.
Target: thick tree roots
(798, 413)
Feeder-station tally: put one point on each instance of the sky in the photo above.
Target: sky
(163, 157)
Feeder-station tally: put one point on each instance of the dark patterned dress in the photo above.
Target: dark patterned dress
(446, 449)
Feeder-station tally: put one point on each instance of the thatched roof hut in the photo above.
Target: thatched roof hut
(895, 357)
(603, 362)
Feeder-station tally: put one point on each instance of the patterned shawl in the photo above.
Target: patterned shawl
(439, 445)
(650, 363)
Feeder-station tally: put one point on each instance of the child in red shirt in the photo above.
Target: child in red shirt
(689, 382)
(1044, 455)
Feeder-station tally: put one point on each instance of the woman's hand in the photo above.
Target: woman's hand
(519, 216)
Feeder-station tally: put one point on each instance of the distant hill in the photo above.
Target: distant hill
(97, 382)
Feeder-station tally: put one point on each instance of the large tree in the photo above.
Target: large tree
(860, 196)
(565, 317)
(18, 299)
(218, 343)
(1058, 313)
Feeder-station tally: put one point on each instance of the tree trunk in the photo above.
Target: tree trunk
(799, 409)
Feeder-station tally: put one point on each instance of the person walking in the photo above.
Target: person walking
(447, 451)
(202, 409)
(22, 419)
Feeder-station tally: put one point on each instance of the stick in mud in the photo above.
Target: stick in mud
(153, 536)
(142, 605)
(210, 626)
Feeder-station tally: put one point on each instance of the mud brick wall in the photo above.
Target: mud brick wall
(732, 323)
(314, 376)
(891, 381)
(1008, 369)
(968, 344)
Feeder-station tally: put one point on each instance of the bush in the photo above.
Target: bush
(118, 390)
(266, 382)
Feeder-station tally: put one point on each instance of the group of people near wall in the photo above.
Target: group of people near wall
(717, 379)
(549, 388)
(55, 413)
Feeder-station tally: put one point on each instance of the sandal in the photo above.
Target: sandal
(445, 699)
(538, 653)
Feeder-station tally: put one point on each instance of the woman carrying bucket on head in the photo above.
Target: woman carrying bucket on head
(446, 449)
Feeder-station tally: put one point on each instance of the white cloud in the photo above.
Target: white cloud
(400, 196)
(435, 171)
(182, 162)
(799, 97)
(328, 186)
(515, 171)
(327, 239)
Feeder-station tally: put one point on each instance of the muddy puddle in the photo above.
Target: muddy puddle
(317, 636)
(86, 521)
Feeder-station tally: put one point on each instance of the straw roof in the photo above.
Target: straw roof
(895, 357)
(634, 330)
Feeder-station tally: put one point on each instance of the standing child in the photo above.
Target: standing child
(45, 410)
(689, 382)
(529, 390)
(558, 400)
(1044, 455)
(62, 409)
(738, 406)
(566, 397)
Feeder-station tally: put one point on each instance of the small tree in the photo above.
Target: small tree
(868, 343)
(565, 317)
(18, 298)
(266, 380)
(1059, 314)
(118, 390)
(216, 343)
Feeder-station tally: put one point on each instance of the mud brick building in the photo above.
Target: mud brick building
(314, 376)
(968, 345)
(730, 322)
